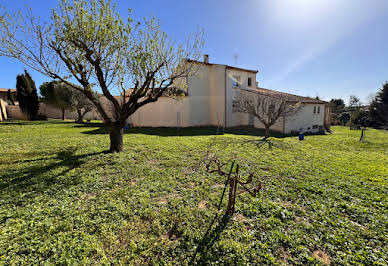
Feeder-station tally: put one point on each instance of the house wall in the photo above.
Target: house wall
(305, 119)
(203, 106)
(234, 119)
(242, 119)
(278, 126)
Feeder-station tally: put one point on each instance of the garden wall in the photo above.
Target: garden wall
(14, 112)
(3, 110)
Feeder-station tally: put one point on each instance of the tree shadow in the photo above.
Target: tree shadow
(186, 131)
(40, 177)
(203, 252)
(36, 122)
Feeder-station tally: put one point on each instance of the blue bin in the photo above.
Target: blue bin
(301, 136)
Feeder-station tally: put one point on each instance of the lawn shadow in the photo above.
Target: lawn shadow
(35, 122)
(37, 179)
(185, 131)
(203, 254)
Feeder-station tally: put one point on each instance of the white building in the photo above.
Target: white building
(209, 103)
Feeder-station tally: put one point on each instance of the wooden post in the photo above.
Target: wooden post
(218, 125)
(362, 135)
(232, 193)
(178, 123)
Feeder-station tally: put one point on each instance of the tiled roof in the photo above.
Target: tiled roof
(228, 67)
(288, 96)
(5, 90)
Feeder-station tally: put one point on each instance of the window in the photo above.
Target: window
(249, 82)
(319, 109)
(315, 109)
(236, 82)
(315, 126)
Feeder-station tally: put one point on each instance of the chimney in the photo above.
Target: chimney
(206, 58)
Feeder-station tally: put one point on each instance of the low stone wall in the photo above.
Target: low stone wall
(14, 112)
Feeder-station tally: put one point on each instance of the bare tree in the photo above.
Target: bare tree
(354, 102)
(266, 107)
(89, 43)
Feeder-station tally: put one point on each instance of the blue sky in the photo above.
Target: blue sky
(329, 48)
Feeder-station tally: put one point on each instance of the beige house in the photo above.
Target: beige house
(209, 102)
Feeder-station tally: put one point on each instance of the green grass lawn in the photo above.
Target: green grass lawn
(64, 201)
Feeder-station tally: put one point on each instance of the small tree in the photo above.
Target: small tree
(10, 97)
(90, 42)
(65, 97)
(354, 103)
(344, 118)
(379, 107)
(360, 118)
(336, 105)
(55, 93)
(265, 107)
(81, 104)
(27, 95)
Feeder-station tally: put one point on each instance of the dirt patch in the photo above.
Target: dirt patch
(173, 196)
(285, 204)
(358, 225)
(303, 220)
(202, 205)
(88, 196)
(240, 217)
(215, 194)
(218, 185)
(163, 201)
(168, 236)
(284, 255)
(164, 237)
(322, 256)
(190, 185)
(153, 163)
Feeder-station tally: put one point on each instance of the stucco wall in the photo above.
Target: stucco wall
(234, 119)
(3, 110)
(14, 112)
(51, 111)
(278, 126)
(203, 106)
(243, 119)
(305, 119)
(217, 95)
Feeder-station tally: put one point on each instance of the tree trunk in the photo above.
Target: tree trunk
(267, 132)
(63, 113)
(116, 138)
(80, 117)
